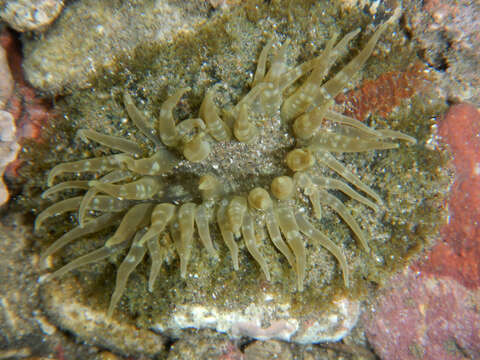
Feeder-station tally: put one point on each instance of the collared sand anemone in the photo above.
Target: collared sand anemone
(138, 192)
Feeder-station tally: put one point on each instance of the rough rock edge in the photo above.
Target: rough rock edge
(8, 145)
(91, 324)
(331, 325)
(31, 15)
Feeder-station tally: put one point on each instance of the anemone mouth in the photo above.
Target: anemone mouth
(279, 199)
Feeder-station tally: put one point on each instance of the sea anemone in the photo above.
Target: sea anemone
(133, 190)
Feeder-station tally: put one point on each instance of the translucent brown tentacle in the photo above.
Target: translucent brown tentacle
(139, 120)
(304, 182)
(276, 237)
(307, 125)
(99, 203)
(201, 220)
(243, 129)
(235, 211)
(333, 86)
(162, 214)
(166, 123)
(330, 200)
(292, 75)
(66, 185)
(290, 230)
(326, 140)
(321, 239)
(307, 181)
(96, 224)
(262, 63)
(216, 127)
(227, 234)
(328, 160)
(392, 134)
(211, 188)
(279, 63)
(113, 142)
(90, 258)
(184, 241)
(84, 204)
(114, 176)
(250, 242)
(346, 120)
(134, 257)
(302, 98)
(162, 162)
(143, 189)
(250, 98)
(136, 217)
(157, 255)
(197, 149)
(99, 164)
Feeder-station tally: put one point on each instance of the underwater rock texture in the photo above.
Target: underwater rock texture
(8, 144)
(275, 311)
(458, 254)
(226, 201)
(23, 113)
(6, 79)
(29, 110)
(432, 311)
(450, 41)
(204, 345)
(268, 350)
(313, 327)
(90, 36)
(8, 149)
(381, 96)
(94, 327)
(423, 317)
(224, 53)
(26, 15)
(25, 329)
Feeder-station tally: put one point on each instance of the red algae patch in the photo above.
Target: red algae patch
(457, 255)
(29, 110)
(431, 311)
(425, 318)
(383, 94)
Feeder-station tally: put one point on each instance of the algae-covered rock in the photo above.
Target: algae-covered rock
(204, 345)
(447, 32)
(222, 55)
(25, 330)
(90, 324)
(268, 350)
(90, 36)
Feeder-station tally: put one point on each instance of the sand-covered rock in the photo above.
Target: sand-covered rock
(90, 35)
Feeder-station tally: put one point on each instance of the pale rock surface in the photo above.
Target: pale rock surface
(8, 149)
(268, 320)
(26, 15)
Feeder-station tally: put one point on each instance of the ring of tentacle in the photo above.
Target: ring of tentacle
(132, 188)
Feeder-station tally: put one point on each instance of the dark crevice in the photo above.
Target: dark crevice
(169, 342)
(436, 57)
(244, 343)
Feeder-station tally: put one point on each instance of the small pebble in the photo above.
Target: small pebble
(26, 15)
